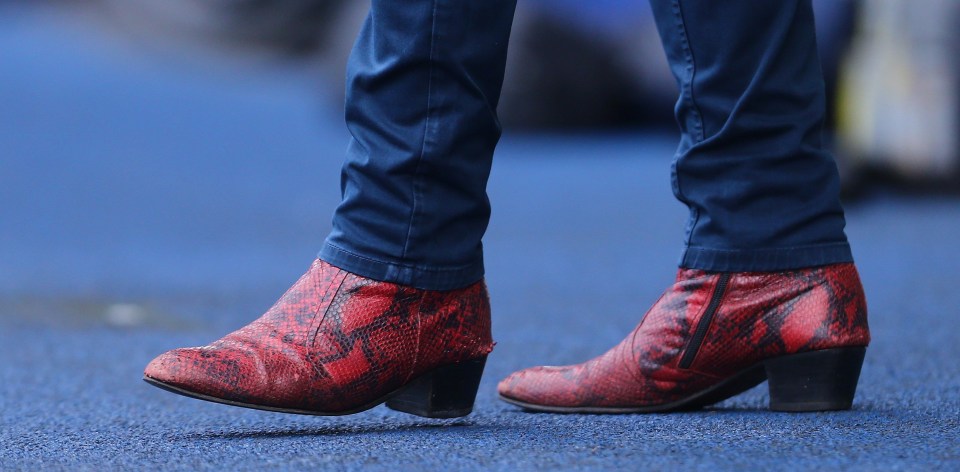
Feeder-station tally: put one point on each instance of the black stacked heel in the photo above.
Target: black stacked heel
(447, 392)
(814, 381)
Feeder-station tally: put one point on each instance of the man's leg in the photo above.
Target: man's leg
(762, 191)
(767, 287)
(395, 307)
(423, 84)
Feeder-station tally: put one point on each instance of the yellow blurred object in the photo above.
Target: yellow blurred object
(899, 104)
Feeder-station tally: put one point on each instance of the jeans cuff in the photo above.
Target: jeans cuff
(765, 260)
(425, 278)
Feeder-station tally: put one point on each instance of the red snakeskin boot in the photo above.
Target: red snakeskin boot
(337, 343)
(714, 335)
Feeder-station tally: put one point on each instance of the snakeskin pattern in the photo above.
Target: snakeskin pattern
(759, 316)
(335, 342)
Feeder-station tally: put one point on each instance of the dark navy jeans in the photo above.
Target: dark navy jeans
(423, 84)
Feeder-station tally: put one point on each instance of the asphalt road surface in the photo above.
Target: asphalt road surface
(146, 207)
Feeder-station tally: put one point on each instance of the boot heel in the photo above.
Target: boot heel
(815, 381)
(447, 392)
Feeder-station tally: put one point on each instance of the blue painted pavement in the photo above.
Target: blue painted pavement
(145, 207)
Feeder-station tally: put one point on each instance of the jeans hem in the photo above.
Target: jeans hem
(424, 278)
(765, 260)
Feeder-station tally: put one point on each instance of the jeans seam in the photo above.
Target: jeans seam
(688, 96)
(692, 67)
(415, 185)
(405, 266)
(765, 260)
(783, 248)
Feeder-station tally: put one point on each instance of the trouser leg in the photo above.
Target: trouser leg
(762, 191)
(423, 84)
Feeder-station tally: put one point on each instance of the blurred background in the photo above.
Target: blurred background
(141, 138)
(168, 168)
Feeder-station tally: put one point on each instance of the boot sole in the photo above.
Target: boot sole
(824, 380)
(445, 392)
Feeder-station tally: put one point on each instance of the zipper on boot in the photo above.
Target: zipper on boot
(701, 332)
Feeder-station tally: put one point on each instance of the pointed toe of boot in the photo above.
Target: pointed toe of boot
(513, 387)
(545, 388)
(521, 385)
(184, 371)
(166, 368)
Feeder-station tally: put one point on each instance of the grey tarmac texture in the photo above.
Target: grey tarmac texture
(146, 208)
